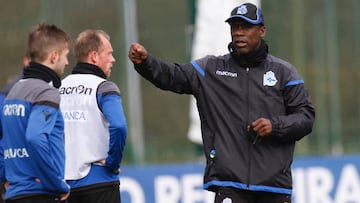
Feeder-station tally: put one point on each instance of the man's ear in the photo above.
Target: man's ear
(54, 54)
(93, 57)
(262, 31)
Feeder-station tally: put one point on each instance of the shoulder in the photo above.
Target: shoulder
(278, 62)
(210, 61)
(46, 93)
(108, 87)
(211, 58)
(287, 70)
(35, 91)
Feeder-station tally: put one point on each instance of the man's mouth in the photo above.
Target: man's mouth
(240, 43)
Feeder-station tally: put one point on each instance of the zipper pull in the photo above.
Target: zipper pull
(256, 139)
(253, 135)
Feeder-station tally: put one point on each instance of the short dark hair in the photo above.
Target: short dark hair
(44, 38)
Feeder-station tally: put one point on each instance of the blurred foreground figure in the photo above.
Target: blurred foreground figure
(3, 93)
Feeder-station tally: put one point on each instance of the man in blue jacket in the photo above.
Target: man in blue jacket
(253, 108)
(95, 125)
(3, 93)
(32, 128)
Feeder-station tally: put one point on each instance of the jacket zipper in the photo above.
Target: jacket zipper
(248, 124)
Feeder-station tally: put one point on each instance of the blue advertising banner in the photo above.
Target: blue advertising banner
(315, 180)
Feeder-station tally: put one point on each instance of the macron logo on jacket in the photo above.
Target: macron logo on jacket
(78, 89)
(14, 110)
(226, 73)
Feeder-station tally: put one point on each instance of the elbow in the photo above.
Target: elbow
(119, 129)
(32, 139)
